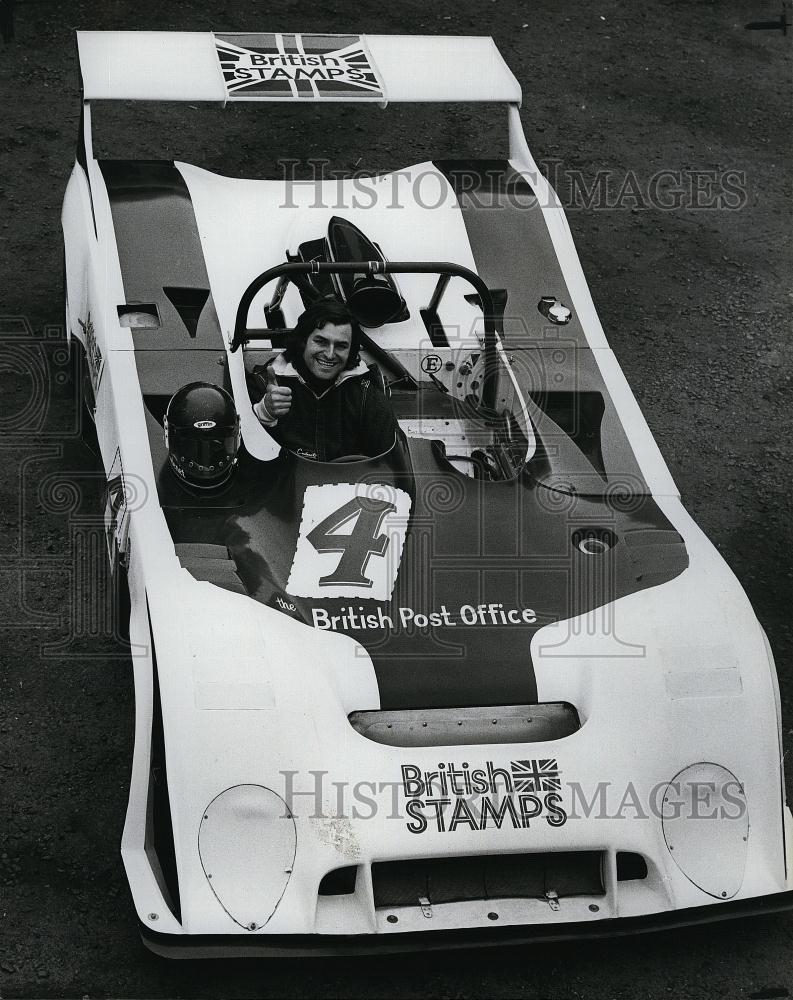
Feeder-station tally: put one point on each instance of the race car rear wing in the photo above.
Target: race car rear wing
(210, 66)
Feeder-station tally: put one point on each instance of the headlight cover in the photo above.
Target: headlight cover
(705, 821)
(247, 842)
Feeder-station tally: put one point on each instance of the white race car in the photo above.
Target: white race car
(491, 684)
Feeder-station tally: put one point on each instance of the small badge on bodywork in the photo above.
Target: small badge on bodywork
(92, 352)
(431, 363)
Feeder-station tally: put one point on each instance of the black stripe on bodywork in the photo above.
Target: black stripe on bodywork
(159, 248)
(469, 542)
(553, 364)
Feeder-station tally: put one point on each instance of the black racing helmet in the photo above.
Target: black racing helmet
(202, 434)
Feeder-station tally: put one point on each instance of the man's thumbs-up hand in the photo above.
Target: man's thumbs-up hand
(276, 401)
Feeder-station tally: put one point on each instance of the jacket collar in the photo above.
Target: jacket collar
(284, 368)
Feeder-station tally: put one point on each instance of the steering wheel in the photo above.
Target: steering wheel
(351, 458)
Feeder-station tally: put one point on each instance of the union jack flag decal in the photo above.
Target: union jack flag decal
(536, 775)
(282, 66)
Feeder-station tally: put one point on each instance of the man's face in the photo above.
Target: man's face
(327, 350)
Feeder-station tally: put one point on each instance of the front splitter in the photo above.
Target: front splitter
(327, 945)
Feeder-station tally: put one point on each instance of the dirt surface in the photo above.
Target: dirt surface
(695, 301)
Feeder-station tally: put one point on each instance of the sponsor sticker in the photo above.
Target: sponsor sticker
(487, 797)
(296, 66)
(115, 517)
(92, 352)
(350, 617)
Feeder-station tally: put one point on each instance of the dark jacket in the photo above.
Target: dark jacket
(352, 416)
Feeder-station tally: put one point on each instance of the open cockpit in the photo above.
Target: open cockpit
(440, 362)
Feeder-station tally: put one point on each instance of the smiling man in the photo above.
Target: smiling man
(320, 400)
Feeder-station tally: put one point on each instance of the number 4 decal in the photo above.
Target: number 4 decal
(366, 514)
(350, 542)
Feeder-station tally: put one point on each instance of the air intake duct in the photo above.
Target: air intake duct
(373, 298)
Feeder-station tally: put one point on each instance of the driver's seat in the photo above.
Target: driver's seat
(379, 379)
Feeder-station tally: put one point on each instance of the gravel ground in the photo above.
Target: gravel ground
(695, 301)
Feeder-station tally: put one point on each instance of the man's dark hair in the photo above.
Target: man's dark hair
(319, 314)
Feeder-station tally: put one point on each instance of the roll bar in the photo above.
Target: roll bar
(444, 269)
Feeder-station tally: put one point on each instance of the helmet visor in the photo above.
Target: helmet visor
(203, 459)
